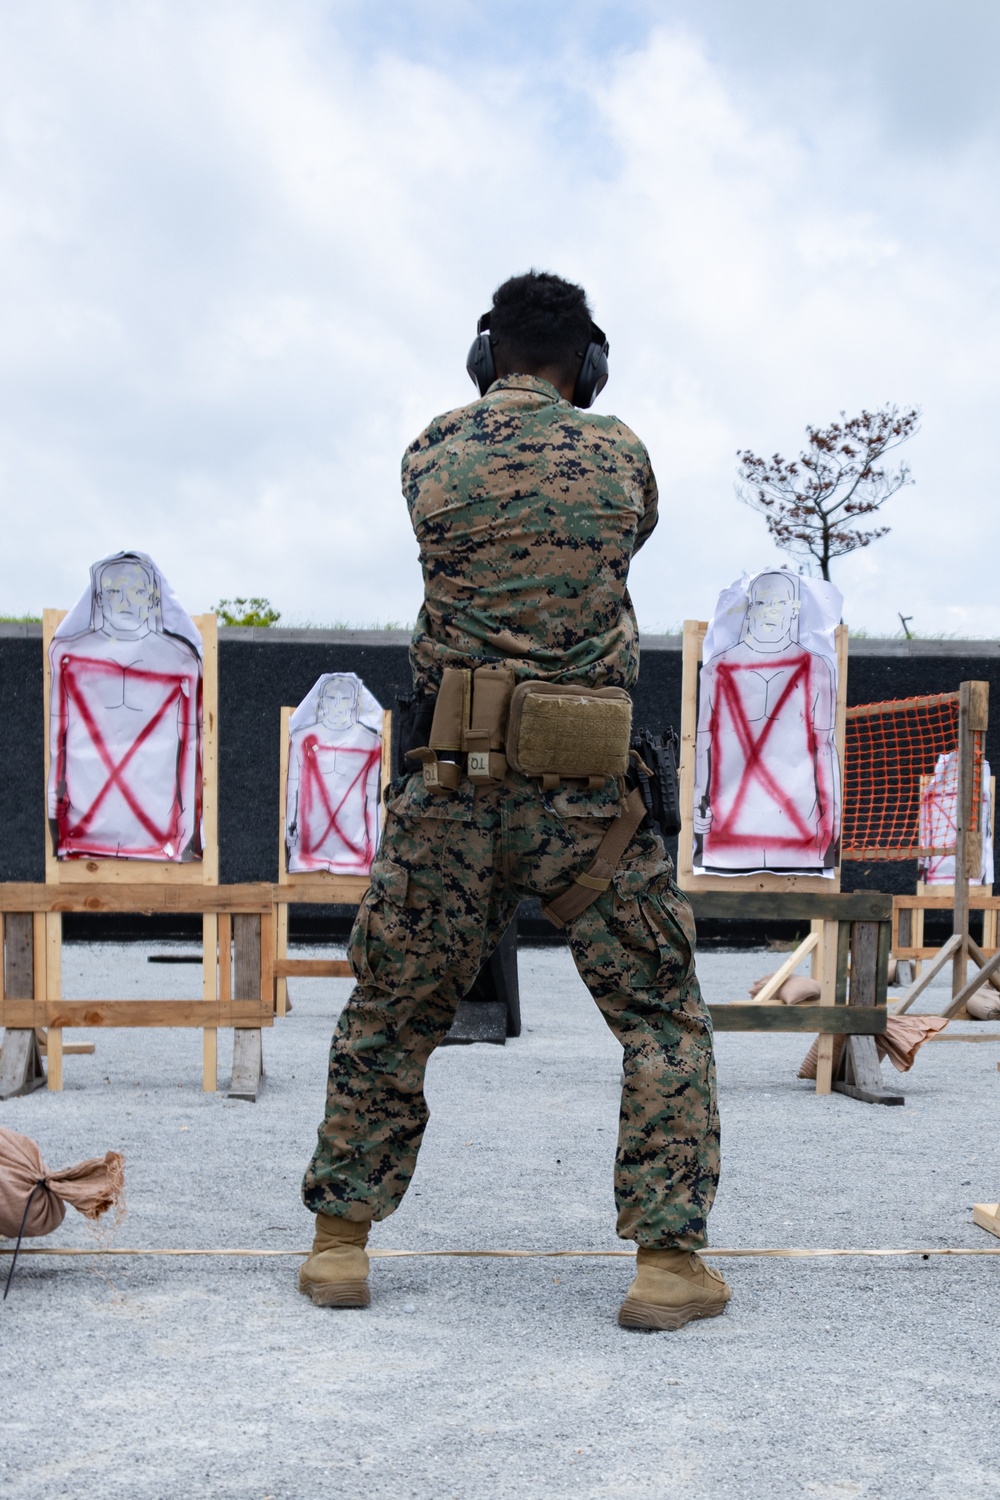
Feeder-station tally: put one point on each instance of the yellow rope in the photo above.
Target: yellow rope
(506, 1254)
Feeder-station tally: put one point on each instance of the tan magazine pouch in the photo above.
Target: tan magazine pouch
(484, 739)
(562, 733)
(442, 757)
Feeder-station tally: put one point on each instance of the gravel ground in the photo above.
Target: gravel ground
(485, 1379)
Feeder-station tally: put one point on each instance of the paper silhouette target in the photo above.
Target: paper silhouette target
(939, 823)
(125, 720)
(767, 775)
(334, 758)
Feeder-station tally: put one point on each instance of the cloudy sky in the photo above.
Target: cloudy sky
(243, 247)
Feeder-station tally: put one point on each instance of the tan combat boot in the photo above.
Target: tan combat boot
(671, 1288)
(336, 1272)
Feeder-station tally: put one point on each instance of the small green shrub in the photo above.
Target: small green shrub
(255, 611)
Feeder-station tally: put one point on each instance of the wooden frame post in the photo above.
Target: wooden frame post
(973, 720)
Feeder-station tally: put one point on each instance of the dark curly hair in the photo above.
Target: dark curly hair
(538, 320)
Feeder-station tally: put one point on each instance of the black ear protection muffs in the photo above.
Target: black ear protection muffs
(591, 380)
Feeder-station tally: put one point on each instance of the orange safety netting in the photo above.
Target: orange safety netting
(892, 750)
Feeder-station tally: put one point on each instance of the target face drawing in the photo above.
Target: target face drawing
(125, 721)
(334, 762)
(767, 783)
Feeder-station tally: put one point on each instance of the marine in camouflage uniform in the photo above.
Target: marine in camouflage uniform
(528, 512)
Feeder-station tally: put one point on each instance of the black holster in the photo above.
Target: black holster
(414, 716)
(654, 772)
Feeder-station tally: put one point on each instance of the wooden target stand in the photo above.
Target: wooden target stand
(848, 932)
(963, 896)
(314, 887)
(237, 933)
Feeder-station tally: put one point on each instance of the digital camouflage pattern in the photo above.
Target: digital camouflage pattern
(528, 512)
(450, 872)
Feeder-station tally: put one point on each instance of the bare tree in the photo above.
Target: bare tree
(813, 504)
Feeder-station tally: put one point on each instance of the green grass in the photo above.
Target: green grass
(20, 619)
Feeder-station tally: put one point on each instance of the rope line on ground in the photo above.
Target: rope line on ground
(509, 1254)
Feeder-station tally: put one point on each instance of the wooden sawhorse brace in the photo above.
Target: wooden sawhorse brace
(855, 926)
(237, 985)
(316, 887)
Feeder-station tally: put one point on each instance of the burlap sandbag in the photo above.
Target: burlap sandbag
(91, 1186)
(900, 1042)
(984, 1005)
(796, 990)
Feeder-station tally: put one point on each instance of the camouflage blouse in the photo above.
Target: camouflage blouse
(527, 512)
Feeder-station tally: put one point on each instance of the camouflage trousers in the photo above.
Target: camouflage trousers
(450, 871)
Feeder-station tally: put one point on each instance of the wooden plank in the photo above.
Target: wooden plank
(843, 957)
(824, 970)
(209, 993)
(777, 979)
(138, 1012)
(987, 1216)
(981, 898)
(54, 1056)
(966, 825)
(693, 640)
(979, 706)
(139, 897)
(265, 976)
(320, 888)
(312, 968)
(225, 958)
(38, 920)
(867, 1096)
(280, 954)
(18, 956)
(209, 862)
(16, 1014)
(385, 764)
(864, 960)
(839, 1019)
(248, 1066)
(859, 1074)
(21, 1070)
(209, 1059)
(246, 953)
(53, 955)
(792, 906)
(50, 619)
(281, 907)
(286, 716)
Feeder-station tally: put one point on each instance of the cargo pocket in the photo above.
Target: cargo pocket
(651, 913)
(379, 937)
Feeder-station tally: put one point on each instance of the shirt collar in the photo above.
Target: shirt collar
(525, 383)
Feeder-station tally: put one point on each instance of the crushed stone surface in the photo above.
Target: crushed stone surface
(149, 1379)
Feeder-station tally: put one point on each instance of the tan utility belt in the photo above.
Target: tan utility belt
(541, 729)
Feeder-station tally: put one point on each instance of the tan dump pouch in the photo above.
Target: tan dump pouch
(484, 739)
(570, 733)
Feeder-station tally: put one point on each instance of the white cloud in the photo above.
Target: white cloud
(241, 258)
